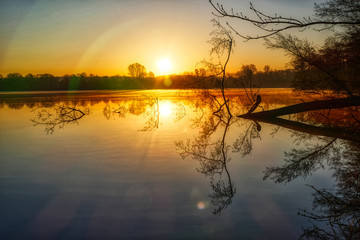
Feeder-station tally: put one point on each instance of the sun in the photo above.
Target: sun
(164, 66)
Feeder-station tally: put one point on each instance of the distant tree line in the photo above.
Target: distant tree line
(83, 81)
(267, 78)
(140, 79)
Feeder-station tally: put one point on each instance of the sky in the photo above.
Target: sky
(104, 36)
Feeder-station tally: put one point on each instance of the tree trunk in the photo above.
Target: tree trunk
(305, 107)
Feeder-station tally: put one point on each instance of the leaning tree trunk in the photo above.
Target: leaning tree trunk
(305, 107)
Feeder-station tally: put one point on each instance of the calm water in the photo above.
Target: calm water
(150, 165)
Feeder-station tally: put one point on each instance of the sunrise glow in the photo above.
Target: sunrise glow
(190, 119)
(164, 66)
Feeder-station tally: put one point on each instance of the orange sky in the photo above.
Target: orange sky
(104, 37)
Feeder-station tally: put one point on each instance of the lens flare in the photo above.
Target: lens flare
(200, 205)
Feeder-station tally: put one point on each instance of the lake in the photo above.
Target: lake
(160, 165)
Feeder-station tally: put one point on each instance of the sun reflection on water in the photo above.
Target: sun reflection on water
(165, 109)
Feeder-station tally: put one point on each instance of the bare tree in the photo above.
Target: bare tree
(245, 77)
(222, 44)
(344, 13)
(338, 69)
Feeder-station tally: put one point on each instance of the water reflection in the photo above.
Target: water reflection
(215, 143)
(56, 116)
(333, 142)
(146, 104)
(211, 148)
(54, 113)
(336, 210)
(212, 155)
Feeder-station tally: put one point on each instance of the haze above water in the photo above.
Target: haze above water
(149, 165)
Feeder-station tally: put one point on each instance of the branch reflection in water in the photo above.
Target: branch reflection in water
(338, 207)
(213, 158)
(146, 104)
(211, 149)
(56, 115)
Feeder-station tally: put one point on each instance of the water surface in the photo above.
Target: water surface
(149, 165)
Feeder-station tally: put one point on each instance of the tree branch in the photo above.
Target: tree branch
(272, 25)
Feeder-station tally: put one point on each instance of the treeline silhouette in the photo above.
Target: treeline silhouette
(83, 81)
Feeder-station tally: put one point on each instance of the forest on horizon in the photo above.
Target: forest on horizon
(140, 79)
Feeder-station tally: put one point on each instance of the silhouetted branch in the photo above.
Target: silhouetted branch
(302, 50)
(222, 43)
(272, 25)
